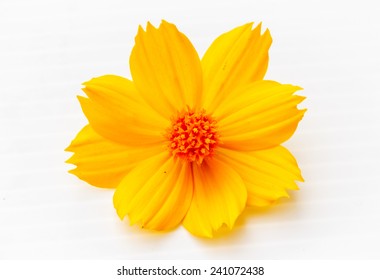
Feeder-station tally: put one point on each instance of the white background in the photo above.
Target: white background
(48, 48)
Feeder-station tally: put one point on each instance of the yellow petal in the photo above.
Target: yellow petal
(263, 115)
(101, 162)
(117, 112)
(166, 69)
(234, 59)
(156, 194)
(266, 173)
(219, 197)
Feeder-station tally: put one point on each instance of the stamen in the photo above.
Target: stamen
(193, 136)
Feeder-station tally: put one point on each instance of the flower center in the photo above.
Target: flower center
(193, 136)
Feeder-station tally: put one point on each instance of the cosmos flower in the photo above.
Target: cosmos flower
(189, 140)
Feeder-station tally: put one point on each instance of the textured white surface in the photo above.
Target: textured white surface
(48, 48)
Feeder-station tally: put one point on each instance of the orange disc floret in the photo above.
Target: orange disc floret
(193, 136)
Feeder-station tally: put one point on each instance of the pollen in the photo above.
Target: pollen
(193, 136)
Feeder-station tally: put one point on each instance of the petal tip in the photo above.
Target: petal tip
(300, 178)
(249, 25)
(167, 25)
(259, 25)
(73, 171)
(86, 82)
(81, 98)
(68, 148)
(149, 26)
(163, 21)
(69, 160)
(140, 32)
(267, 33)
(121, 215)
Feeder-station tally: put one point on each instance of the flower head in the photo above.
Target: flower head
(187, 140)
(193, 136)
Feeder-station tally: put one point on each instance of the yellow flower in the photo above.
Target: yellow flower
(189, 141)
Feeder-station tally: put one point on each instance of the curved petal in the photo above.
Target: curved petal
(234, 59)
(156, 194)
(116, 111)
(166, 69)
(219, 197)
(263, 116)
(266, 173)
(103, 163)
